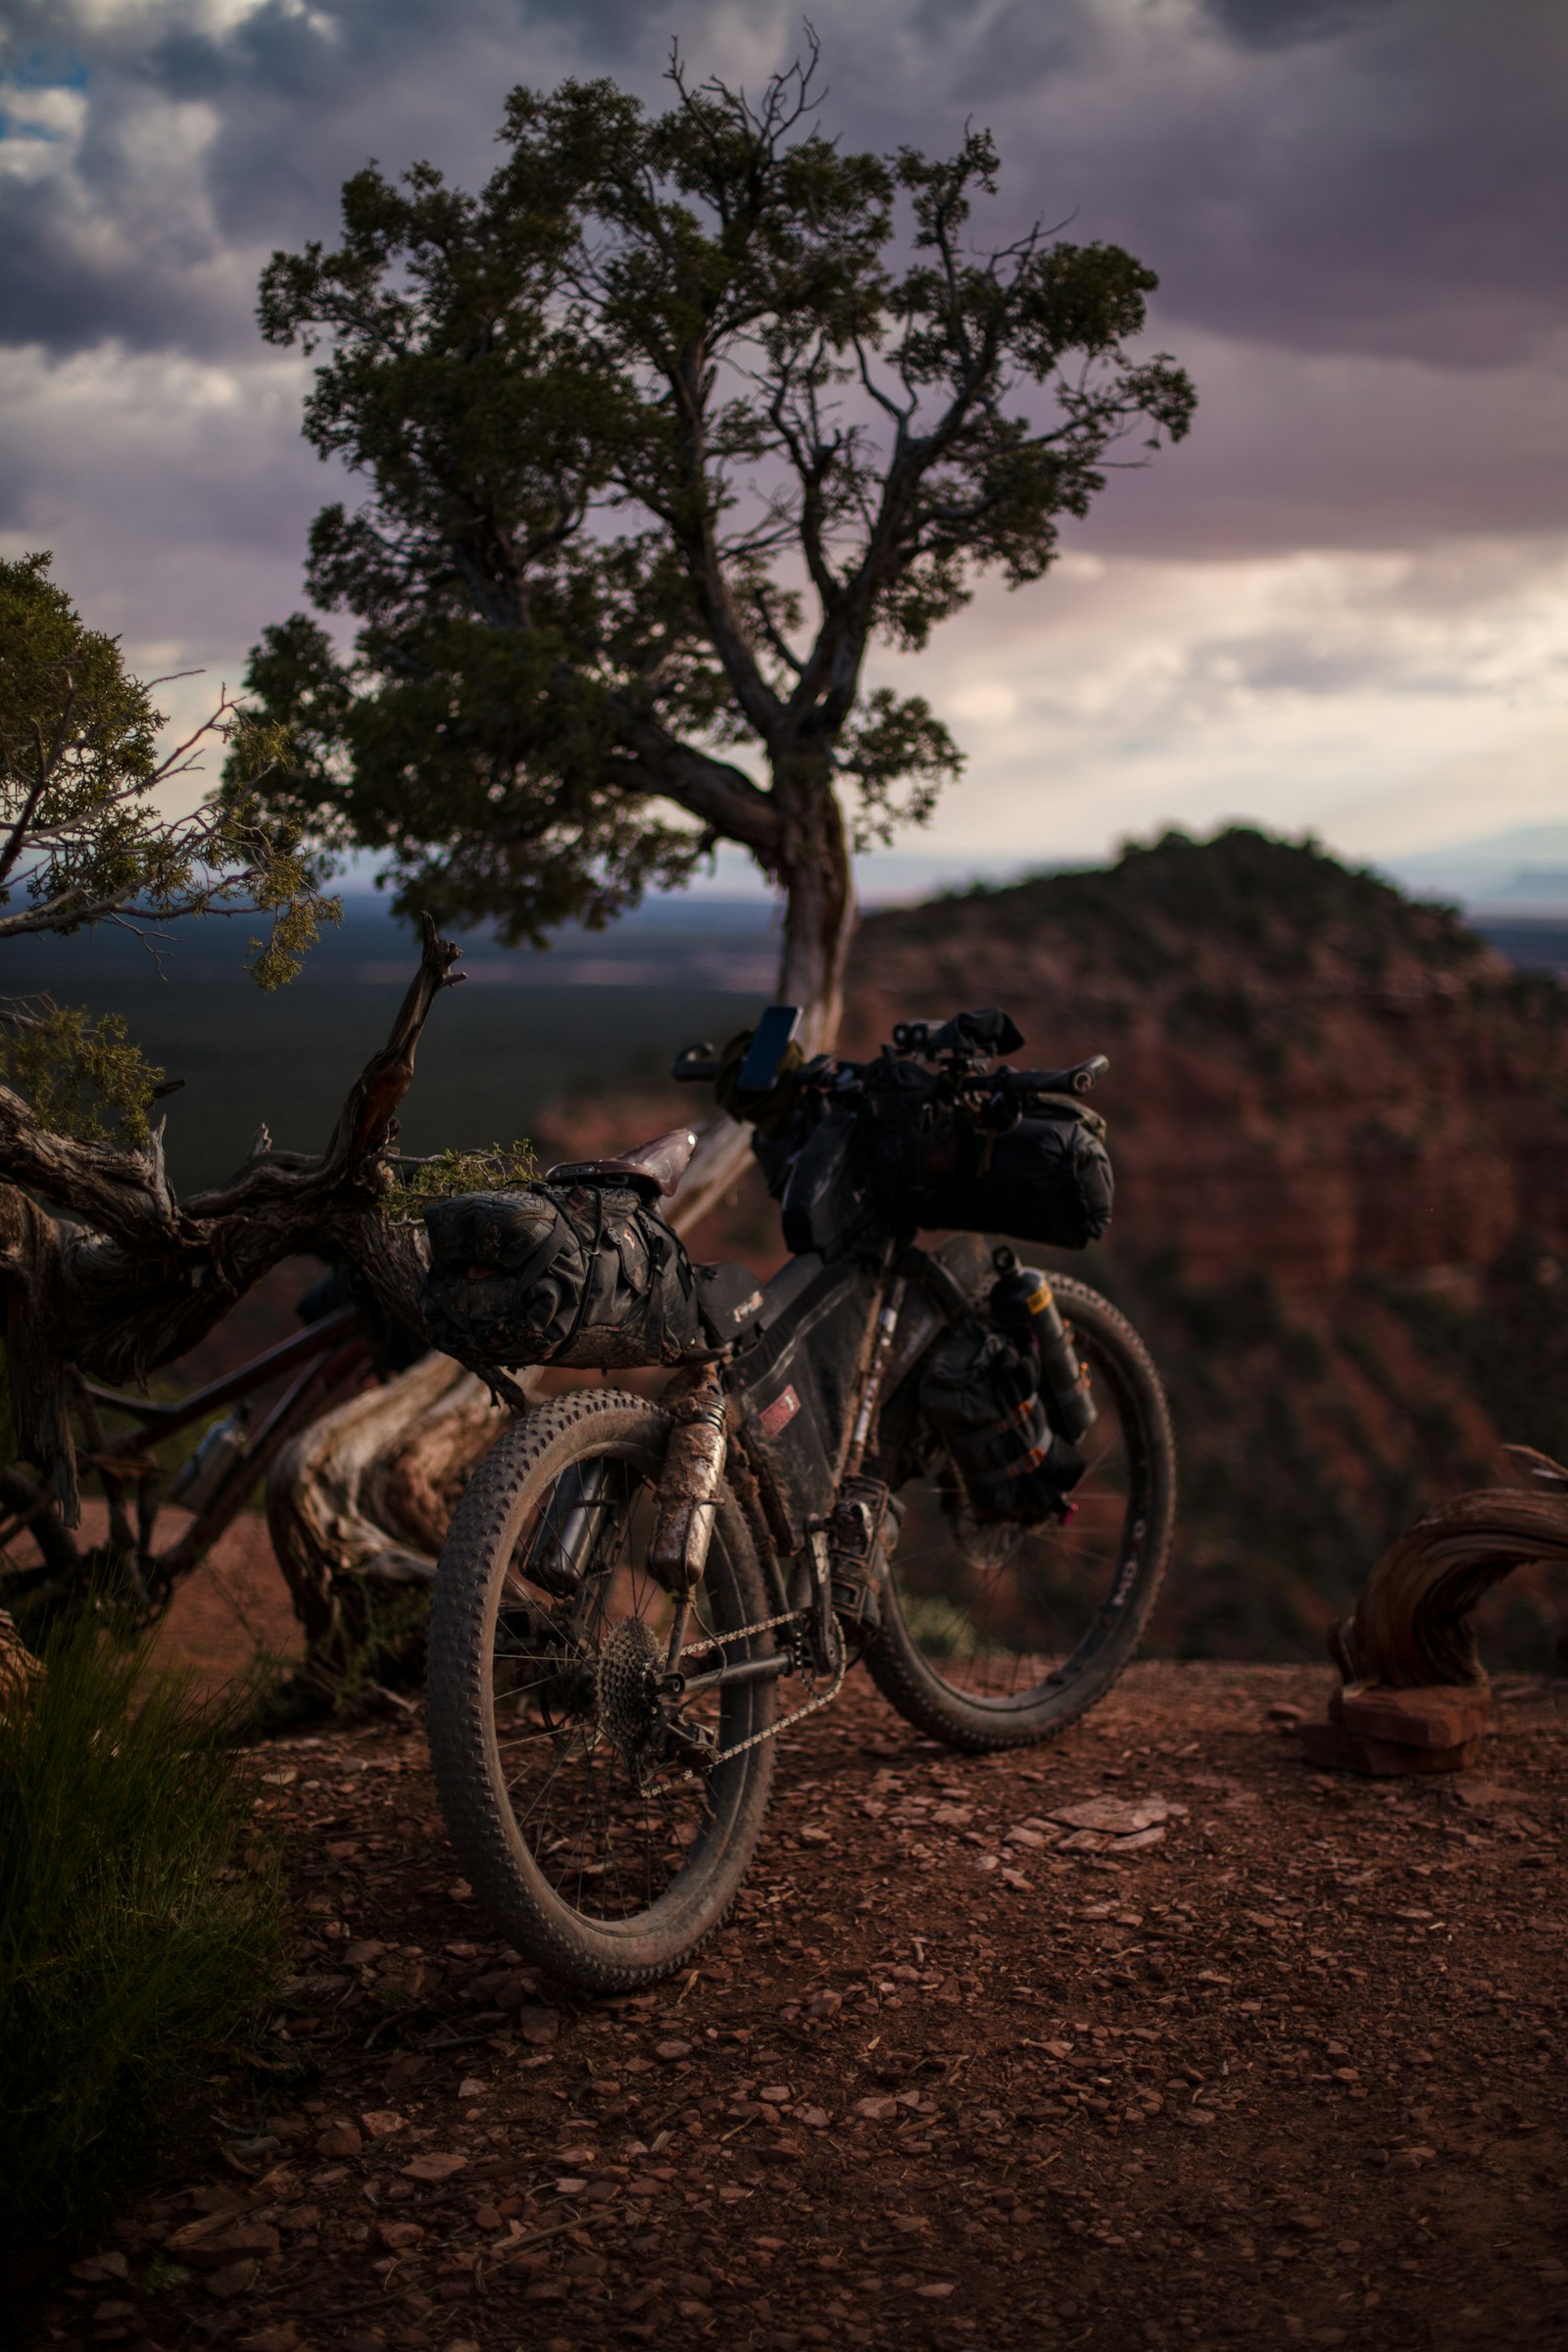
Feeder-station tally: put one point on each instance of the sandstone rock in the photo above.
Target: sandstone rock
(437, 2165)
(1438, 1715)
(1334, 1749)
(383, 2122)
(97, 2268)
(338, 2139)
(1114, 1816)
(234, 2279)
(397, 2235)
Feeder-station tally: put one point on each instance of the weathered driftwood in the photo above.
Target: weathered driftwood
(1411, 1625)
(133, 1277)
(364, 1495)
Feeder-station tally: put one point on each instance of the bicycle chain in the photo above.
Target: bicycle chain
(823, 1698)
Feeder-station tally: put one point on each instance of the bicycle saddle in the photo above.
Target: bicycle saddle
(660, 1165)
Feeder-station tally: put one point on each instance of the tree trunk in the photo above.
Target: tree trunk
(820, 918)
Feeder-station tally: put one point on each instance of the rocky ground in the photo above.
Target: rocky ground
(1290, 2072)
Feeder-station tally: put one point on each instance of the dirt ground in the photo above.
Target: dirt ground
(1292, 2073)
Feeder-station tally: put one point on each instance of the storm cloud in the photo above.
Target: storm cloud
(1357, 209)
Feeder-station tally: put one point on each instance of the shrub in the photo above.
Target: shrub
(140, 1926)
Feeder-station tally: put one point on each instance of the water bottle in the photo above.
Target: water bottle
(1023, 1306)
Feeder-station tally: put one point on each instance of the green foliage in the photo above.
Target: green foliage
(660, 434)
(83, 1077)
(83, 835)
(447, 1174)
(140, 1919)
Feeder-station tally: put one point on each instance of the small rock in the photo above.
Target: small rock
(383, 2122)
(396, 2236)
(106, 2313)
(1029, 1838)
(876, 2110)
(673, 2051)
(361, 1955)
(280, 2338)
(234, 2279)
(1115, 1816)
(935, 2290)
(438, 2165)
(98, 2268)
(338, 2139)
(777, 2095)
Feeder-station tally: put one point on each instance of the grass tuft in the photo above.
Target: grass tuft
(141, 1927)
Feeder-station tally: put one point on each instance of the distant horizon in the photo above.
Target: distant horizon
(1520, 870)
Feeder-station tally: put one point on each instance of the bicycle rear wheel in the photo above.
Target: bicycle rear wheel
(585, 1832)
(999, 1636)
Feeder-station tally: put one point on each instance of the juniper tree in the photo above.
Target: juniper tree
(655, 439)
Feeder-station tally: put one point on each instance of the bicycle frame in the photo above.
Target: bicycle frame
(325, 1357)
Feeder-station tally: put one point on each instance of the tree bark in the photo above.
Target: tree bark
(141, 1278)
(362, 1496)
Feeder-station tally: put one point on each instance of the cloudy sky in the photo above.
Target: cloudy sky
(1341, 603)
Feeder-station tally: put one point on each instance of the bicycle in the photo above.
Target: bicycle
(346, 1343)
(627, 1584)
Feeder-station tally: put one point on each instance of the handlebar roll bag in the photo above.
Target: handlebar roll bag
(1045, 1179)
(546, 1274)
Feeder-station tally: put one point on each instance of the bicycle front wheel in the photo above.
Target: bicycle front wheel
(592, 1824)
(997, 1636)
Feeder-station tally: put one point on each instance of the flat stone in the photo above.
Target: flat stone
(1437, 1715)
(1332, 1748)
(1114, 1816)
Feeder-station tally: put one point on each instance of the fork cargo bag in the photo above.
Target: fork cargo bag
(982, 1398)
(585, 1274)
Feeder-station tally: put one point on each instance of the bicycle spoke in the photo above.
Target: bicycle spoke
(610, 1827)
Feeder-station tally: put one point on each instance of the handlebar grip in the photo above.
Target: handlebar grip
(1076, 1081)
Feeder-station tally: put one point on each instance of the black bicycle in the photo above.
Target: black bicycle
(937, 1463)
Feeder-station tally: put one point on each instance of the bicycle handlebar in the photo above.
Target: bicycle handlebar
(699, 1064)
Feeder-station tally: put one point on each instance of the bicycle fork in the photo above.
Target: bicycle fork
(688, 1499)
